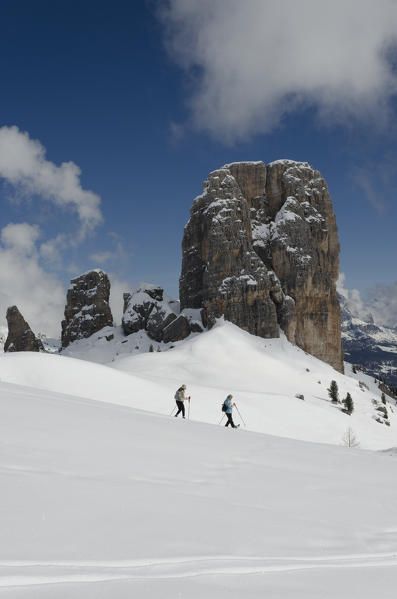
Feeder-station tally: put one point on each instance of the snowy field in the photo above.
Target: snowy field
(100, 500)
(105, 495)
(263, 375)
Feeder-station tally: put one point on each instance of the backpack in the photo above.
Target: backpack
(224, 407)
(176, 396)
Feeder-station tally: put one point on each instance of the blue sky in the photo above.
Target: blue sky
(146, 104)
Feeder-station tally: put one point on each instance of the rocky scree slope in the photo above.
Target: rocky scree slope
(261, 247)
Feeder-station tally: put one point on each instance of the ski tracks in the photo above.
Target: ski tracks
(29, 573)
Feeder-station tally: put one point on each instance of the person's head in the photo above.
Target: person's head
(230, 396)
(183, 387)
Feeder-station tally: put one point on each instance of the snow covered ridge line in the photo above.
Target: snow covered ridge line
(264, 377)
(180, 568)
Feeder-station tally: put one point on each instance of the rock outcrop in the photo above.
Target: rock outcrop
(147, 309)
(87, 307)
(261, 247)
(20, 335)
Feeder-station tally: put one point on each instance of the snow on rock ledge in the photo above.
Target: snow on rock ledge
(149, 310)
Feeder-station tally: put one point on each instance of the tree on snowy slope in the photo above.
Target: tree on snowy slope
(333, 392)
(348, 403)
(349, 438)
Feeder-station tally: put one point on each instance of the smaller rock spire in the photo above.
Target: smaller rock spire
(87, 307)
(20, 335)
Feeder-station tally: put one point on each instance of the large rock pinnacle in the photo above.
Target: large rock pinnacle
(261, 247)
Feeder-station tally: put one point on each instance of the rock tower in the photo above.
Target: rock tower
(261, 247)
(20, 335)
(87, 307)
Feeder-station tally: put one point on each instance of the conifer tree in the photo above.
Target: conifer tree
(383, 398)
(348, 403)
(151, 348)
(333, 392)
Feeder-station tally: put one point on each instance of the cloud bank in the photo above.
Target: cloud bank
(38, 294)
(379, 301)
(23, 164)
(254, 62)
(382, 301)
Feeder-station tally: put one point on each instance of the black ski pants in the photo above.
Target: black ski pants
(181, 408)
(230, 420)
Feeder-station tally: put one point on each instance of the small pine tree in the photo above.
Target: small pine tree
(333, 392)
(354, 369)
(151, 348)
(349, 405)
(383, 398)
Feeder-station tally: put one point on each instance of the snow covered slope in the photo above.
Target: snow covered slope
(100, 501)
(264, 377)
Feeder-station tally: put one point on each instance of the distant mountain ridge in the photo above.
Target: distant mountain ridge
(372, 346)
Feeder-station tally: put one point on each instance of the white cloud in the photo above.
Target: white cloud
(23, 164)
(40, 296)
(382, 301)
(117, 254)
(253, 62)
(379, 301)
(364, 179)
(102, 257)
(20, 237)
(352, 297)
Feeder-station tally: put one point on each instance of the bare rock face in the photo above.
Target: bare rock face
(261, 247)
(87, 307)
(147, 309)
(221, 272)
(20, 335)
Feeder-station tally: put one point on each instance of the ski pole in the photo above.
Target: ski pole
(242, 419)
(188, 410)
(222, 419)
(173, 410)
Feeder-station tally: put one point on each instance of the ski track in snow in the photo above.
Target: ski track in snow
(30, 573)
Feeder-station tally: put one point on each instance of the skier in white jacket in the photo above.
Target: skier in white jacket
(180, 398)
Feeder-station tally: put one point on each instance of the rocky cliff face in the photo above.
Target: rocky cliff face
(20, 335)
(261, 247)
(87, 307)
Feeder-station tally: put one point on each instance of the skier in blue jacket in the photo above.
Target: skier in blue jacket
(229, 409)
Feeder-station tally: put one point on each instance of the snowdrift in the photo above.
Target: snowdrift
(76, 377)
